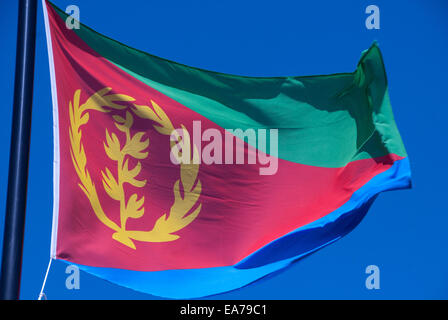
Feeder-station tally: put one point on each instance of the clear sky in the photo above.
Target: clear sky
(404, 233)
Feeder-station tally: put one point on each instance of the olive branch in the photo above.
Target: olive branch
(191, 186)
(186, 189)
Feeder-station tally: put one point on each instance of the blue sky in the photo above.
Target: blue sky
(404, 233)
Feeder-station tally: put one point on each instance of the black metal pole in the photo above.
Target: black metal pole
(19, 153)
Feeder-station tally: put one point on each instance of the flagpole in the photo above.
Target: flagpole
(19, 152)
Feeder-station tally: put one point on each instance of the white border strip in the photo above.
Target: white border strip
(54, 96)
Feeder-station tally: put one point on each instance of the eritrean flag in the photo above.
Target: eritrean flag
(182, 182)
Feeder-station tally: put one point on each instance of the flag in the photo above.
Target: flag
(182, 182)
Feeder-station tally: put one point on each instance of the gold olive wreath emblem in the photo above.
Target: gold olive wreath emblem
(186, 189)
